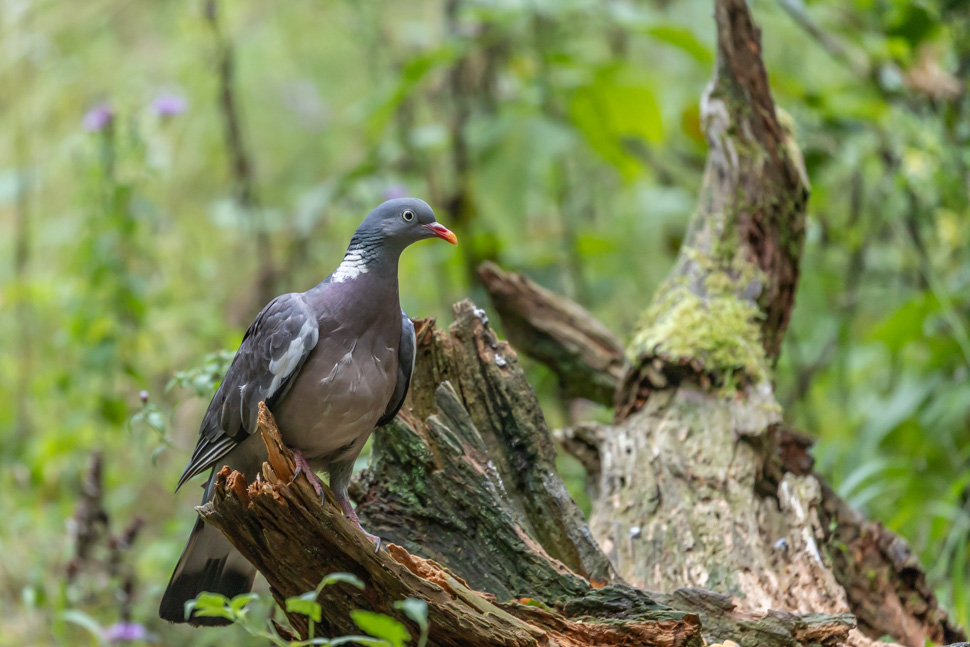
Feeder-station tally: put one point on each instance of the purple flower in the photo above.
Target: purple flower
(395, 191)
(169, 105)
(121, 632)
(98, 118)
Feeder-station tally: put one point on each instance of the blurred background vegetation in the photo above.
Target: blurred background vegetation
(168, 166)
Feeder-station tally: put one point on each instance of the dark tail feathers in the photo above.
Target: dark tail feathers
(208, 563)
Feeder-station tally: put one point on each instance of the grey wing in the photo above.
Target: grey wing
(405, 367)
(270, 356)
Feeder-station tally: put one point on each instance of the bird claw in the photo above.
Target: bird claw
(373, 538)
(302, 467)
(351, 514)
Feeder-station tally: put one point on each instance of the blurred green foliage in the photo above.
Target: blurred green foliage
(141, 233)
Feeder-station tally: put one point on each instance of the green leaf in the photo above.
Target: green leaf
(381, 626)
(239, 602)
(410, 76)
(360, 640)
(346, 578)
(309, 608)
(417, 610)
(907, 324)
(209, 605)
(615, 111)
(684, 39)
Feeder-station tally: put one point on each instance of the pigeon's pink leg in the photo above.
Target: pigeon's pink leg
(302, 467)
(351, 514)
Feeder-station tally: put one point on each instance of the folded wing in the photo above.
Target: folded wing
(405, 367)
(271, 354)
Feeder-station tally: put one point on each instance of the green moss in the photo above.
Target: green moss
(712, 322)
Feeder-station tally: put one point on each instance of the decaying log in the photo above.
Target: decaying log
(439, 479)
(280, 526)
(586, 357)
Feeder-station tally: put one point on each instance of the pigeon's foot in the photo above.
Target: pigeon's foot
(351, 514)
(303, 467)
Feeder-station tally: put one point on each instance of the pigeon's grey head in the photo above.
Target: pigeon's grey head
(402, 221)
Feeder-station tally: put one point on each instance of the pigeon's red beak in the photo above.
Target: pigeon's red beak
(442, 232)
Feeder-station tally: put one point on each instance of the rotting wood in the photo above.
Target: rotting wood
(282, 528)
(482, 409)
(294, 541)
(434, 486)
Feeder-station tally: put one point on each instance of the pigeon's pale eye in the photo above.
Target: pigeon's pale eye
(408, 215)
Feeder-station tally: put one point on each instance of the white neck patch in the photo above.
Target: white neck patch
(351, 267)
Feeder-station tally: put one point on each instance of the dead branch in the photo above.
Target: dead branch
(586, 357)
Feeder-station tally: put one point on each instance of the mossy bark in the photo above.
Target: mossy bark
(480, 407)
(691, 492)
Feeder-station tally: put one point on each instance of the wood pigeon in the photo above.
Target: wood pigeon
(331, 363)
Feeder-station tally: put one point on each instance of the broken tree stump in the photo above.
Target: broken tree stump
(282, 528)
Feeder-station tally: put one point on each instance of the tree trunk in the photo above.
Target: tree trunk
(699, 483)
(690, 473)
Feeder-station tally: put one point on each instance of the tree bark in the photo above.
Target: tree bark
(485, 417)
